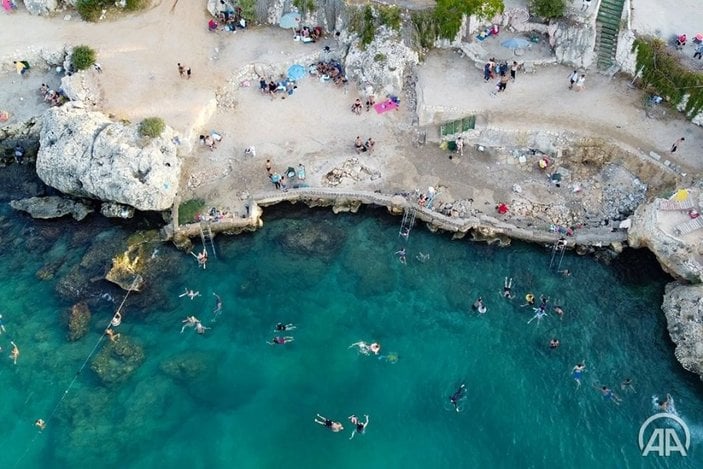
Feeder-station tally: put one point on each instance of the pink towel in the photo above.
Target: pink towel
(385, 106)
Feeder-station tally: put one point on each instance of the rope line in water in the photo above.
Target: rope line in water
(114, 317)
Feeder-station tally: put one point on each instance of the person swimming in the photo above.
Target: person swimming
(375, 348)
(479, 306)
(218, 307)
(456, 397)
(2, 326)
(40, 424)
(559, 311)
(278, 340)
(609, 395)
(626, 385)
(539, 314)
(116, 319)
(111, 335)
(530, 300)
(189, 293)
(507, 286)
(14, 353)
(401, 256)
(199, 328)
(422, 257)
(664, 405)
(189, 321)
(359, 426)
(554, 343)
(284, 327)
(328, 423)
(577, 373)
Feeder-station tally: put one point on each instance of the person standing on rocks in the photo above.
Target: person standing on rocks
(676, 144)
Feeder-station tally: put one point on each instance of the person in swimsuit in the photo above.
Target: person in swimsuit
(284, 327)
(40, 424)
(111, 335)
(14, 353)
(554, 343)
(456, 397)
(189, 321)
(281, 340)
(375, 347)
(401, 256)
(116, 319)
(609, 395)
(559, 311)
(189, 293)
(359, 426)
(577, 372)
(507, 286)
(332, 425)
(626, 385)
(199, 328)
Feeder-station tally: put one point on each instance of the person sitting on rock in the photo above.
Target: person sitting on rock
(111, 335)
(359, 145)
(356, 107)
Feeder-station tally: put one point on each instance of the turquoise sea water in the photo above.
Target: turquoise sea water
(227, 399)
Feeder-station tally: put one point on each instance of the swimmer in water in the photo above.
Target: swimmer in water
(40, 424)
(363, 347)
(189, 321)
(199, 328)
(479, 306)
(284, 327)
(332, 425)
(456, 397)
(359, 426)
(627, 386)
(530, 300)
(665, 405)
(609, 395)
(577, 372)
(375, 348)
(189, 293)
(559, 311)
(2, 326)
(401, 256)
(565, 273)
(280, 340)
(111, 335)
(218, 307)
(554, 343)
(539, 314)
(422, 257)
(507, 286)
(14, 353)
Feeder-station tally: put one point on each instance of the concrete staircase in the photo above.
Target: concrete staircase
(607, 29)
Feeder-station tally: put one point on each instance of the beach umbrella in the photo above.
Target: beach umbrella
(290, 21)
(296, 72)
(515, 43)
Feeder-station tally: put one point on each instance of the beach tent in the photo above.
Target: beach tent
(296, 72)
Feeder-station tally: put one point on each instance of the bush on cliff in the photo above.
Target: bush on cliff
(189, 210)
(90, 10)
(83, 57)
(151, 127)
(548, 8)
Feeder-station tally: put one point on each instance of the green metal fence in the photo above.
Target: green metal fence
(458, 126)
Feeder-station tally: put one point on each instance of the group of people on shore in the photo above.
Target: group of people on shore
(361, 147)
(284, 87)
(53, 97)
(493, 69)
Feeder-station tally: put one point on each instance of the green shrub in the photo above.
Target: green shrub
(90, 10)
(151, 127)
(83, 57)
(248, 9)
(548, 8)
(304, 5)
(134, 5)
(389, 15)
(189, 209)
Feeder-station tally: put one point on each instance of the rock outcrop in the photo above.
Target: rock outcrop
(85, 154)
(78, 321)
(381, 64)
(41, 7)
(82, 86)
(680, 256)
(683, 307)
(52, 207)
(574, 42)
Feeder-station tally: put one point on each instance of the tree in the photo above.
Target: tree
(449, 13)
(548, 8)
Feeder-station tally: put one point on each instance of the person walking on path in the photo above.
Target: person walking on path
(676, 144)
(573, 78)
(580, 82)
(503, 83)
(181, 70)
(188, 72)
(269, 167)
(699, 52)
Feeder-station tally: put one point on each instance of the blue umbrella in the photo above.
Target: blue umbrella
(290, 21)
(296, 72)
(515, 43)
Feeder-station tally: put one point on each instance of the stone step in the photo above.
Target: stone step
(609, 19)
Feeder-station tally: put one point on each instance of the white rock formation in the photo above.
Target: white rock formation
(382, 63)
(83, 153)
(82, 86)
(683, 307)
(41, 7)
(574, 43)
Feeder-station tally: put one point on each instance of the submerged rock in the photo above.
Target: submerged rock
(316, 240)
(52, 207)
(78, 321)
(683, 307)
(117, 361)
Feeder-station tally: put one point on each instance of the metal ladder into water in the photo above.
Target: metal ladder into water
(207, 238)
(408, 222)
(558, 250)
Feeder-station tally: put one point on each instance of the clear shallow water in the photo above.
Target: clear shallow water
(230, 400)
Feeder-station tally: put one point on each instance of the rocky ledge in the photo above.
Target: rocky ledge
(683, 307)
(84, 154)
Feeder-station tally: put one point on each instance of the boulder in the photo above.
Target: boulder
(85, 154)
(41, 7)
(52, 207)
(683, 307)
(78, 321)
(116, 361)
(318, 240)
(382, 63)
(127, 268)
(82, 86)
